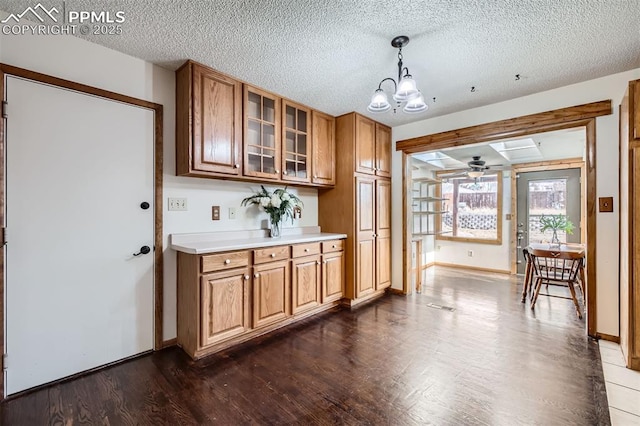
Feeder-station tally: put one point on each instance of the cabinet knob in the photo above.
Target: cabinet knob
(285, 172)
(246, 277)
(256, 275)
(273, 255)
(333, 246)
(306, 250)
(277, 171)
(315, 176)
(374, 235)
(317, 262)
(227, 261)
(324, 261)
(236, 166)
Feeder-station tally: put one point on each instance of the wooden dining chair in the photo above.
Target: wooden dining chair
(557, 267)
(530, 273)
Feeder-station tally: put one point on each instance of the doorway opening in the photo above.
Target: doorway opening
(581, 116)
(465, 200)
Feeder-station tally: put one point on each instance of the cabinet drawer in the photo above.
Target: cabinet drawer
(300, 250)
(270, 254)
(219, 262)
(332, 245)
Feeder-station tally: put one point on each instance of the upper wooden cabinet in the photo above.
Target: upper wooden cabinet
(261, 133)
(296, 142)
(365, 141)
(383, 150)
(373, 147)
(208, 123)
(323, 148)
(228, 129)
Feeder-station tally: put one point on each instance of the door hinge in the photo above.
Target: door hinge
(5, 105)
(4, 237)
(4, 361)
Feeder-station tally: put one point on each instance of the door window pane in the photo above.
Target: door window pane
(546, 197)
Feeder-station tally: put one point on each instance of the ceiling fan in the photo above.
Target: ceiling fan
(476, 169)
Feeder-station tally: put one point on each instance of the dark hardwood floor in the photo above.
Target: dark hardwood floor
(395, 361)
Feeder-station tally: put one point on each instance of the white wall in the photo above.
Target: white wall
(609, 87)
(80, 61)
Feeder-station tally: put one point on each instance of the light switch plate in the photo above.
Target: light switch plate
(177, 204)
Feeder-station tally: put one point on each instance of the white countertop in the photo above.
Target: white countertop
(216, 242)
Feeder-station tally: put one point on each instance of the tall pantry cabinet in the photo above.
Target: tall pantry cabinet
(360, 205)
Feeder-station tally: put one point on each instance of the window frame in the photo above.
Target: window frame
(500, 197)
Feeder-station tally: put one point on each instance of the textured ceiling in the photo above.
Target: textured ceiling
(331, 54)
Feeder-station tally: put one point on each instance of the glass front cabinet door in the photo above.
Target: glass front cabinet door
(296, 127)
(261, 133)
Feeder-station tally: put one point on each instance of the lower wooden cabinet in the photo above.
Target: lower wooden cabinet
(224, 308)
(228, 298)
(305, 283)
(332, 276)
(271, 285)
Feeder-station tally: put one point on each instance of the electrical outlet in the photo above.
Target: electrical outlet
(232, 213)
(470, 253)
(177, 204)
(438, 248)
(215, 212)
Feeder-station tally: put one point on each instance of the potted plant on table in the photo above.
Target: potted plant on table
(280, 205)
(556, 222)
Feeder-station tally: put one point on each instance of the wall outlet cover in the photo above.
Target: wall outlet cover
(605, 204)
(215, 212)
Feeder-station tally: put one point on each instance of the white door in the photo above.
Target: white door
(78, 168)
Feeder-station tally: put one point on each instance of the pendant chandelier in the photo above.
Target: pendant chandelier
(405, 90)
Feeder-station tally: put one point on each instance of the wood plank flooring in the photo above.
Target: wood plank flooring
(395, 361)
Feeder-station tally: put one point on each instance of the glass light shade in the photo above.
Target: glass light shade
(475, 173)
(406, 89)
(379, 102)
(415, 105)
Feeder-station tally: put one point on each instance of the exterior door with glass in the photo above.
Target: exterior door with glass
(546, 193)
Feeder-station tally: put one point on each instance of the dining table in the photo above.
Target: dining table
(551, 250)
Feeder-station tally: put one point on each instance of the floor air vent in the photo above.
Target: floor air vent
(444, 308)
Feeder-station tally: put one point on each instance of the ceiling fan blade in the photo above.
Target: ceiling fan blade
(454, 174)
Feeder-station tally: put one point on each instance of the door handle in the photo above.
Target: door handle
(143, 250)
